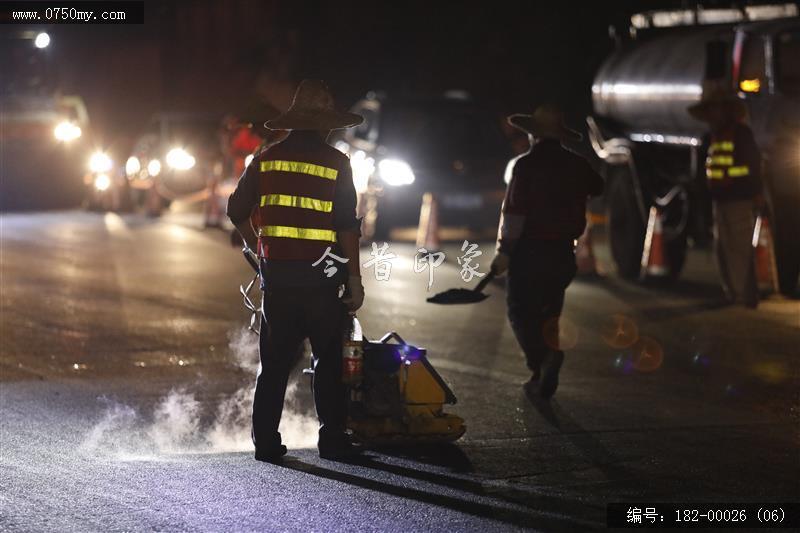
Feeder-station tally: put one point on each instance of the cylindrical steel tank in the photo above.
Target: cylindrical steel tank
(647, 85)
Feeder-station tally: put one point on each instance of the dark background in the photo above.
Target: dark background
(237, 55)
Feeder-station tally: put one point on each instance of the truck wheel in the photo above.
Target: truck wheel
(626, 230)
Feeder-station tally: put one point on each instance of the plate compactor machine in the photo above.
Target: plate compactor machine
(396, 397)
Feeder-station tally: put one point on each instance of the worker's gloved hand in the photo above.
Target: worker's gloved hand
(354, 295)
(500, 263)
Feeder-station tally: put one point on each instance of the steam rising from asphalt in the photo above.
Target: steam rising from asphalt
(179, 422)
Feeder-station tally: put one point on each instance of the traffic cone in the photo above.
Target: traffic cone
(428, 229)
(654, 258)
(764, 254)
(584, 255)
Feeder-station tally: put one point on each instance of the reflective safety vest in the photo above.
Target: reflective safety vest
(295, 209)
(721, 165)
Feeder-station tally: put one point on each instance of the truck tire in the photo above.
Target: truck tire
(626, 230)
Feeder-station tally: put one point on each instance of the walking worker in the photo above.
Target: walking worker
(543, 214)
(302, 190)
(733, 174)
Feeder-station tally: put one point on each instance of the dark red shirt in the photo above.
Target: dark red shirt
(550, 186)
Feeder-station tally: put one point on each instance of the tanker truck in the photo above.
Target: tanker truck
(653, 151)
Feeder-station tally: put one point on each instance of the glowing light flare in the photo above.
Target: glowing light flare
(102, 182)
(560, 333)
(772, 372)
(624, 363)
(620, 331)
(396, 172)
(363, 168)
(648, 355)
(42, 40)
(750, 86)
(154, 167)
(132, 166)
(66, 131)
(180, 159)
(100, 162)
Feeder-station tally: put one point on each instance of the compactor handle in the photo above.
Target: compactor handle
(392, 335)
(251, 257)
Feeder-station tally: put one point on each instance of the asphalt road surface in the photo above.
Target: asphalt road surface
(126, 373)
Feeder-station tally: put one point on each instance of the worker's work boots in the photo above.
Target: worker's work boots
(337, 446)
(273, 454)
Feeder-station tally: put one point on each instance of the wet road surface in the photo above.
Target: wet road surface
(126, 371)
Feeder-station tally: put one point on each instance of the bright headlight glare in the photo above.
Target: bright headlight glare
(100, 162)
(154, 167)
(363, 167)
(395, 172)
(67, 131)
(102, 182)
(132, 166)
(180, 159)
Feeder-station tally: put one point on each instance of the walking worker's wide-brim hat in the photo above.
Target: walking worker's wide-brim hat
(717, 93)
(547, 121)
(313, 109)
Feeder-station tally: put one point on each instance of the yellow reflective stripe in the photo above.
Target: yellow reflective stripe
(738, 172)
(722, 160)
(724, 146)
(290, 232)
(715, 173)
(302, 202)
(300, 168)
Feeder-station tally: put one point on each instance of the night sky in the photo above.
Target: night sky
(246, 56)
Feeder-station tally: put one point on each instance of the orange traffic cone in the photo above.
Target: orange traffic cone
(584, 255)
(764, 254)
(428, 229)
(654, 259)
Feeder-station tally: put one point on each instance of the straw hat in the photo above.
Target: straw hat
(717, 93)
(547, 121)
(312, 109)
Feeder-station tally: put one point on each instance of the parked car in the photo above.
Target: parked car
(448, 146)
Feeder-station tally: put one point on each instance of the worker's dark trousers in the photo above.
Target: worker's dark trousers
(538, 275)
(292, 314)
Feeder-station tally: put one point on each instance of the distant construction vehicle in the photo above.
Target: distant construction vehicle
(653, 150)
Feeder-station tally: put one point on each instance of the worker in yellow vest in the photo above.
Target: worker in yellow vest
(733, 174)
(302, 190)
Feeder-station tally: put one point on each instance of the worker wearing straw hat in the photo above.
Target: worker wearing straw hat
(302, 191)
(543, 213)
(733, 174)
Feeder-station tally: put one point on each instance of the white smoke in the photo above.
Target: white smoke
(177, 424)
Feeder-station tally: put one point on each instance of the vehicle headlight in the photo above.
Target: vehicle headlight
(180, 159)
(363, 167)
(102, 182)
(396, 172)
(100, 162)
(67, 131)
(132, 166)
(154, 167)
